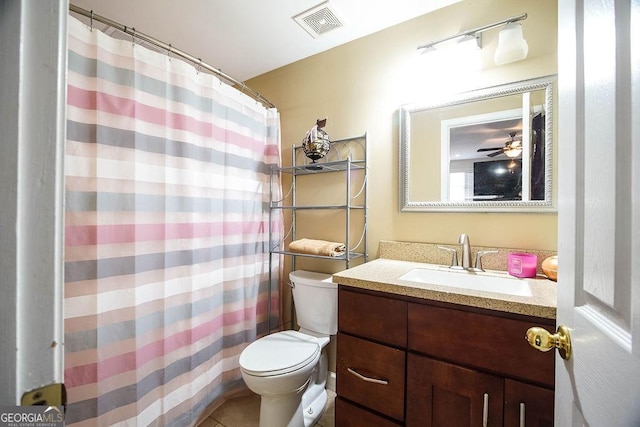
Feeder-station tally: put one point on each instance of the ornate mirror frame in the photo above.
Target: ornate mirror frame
(547, 205)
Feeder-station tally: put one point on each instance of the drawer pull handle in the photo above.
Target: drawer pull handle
(367, 379)
(522, 415)
(485, 411)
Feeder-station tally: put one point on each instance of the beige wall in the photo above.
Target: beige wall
(360, 85)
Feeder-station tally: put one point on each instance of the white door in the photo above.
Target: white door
(599, 212)
(33, 43)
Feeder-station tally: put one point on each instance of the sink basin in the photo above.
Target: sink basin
(480, 281)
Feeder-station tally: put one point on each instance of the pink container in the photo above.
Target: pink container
(522, 265)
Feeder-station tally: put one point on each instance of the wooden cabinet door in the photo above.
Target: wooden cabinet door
(443, 395)
(526, 405)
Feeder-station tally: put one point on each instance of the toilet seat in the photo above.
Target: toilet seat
(279, 353)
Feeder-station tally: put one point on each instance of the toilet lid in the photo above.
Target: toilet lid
(279, 353)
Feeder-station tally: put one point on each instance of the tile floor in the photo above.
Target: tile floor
(244, 411)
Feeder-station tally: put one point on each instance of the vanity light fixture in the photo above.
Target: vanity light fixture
(511, 44)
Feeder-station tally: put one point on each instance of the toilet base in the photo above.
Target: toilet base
(300, 411)
(315, 397)
(282, 410)
(313, 410)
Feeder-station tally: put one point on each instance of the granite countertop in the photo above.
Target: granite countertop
(383, 275)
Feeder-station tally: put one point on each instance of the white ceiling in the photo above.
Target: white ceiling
(465, 140)
(246, 38)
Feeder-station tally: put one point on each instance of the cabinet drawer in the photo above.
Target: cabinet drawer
(479, 340)
(348, 415)
(372, 375)
(369, 316)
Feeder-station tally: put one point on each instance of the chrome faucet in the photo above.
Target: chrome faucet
(465, 262)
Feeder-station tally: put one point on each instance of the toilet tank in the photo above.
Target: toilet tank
(316, 301)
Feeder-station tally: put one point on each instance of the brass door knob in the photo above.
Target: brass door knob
(544, 340)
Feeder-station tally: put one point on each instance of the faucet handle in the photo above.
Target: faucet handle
(454, 255)
(479, 256)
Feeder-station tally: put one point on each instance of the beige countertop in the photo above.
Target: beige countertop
(383, 275)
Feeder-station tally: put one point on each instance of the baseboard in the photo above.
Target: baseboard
(331, 381)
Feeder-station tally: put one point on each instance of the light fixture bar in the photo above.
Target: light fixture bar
(473, 32)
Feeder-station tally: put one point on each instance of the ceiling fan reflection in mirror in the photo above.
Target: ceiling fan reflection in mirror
(512, 148)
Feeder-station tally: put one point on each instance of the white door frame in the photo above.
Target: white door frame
(33, 45)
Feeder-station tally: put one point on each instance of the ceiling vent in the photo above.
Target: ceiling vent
(318, 20)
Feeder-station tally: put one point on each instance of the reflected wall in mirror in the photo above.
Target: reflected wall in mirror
(486, 150)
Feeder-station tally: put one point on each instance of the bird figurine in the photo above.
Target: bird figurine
(316, 143)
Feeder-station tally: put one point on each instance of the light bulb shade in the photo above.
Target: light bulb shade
(513, 152)
(511, 44)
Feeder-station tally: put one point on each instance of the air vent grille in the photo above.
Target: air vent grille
(318, 20)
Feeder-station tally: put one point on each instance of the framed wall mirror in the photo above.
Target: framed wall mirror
(489, 150)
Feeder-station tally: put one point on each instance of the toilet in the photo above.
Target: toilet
(288, 369)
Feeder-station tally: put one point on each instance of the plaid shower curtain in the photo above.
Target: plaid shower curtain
(166, 233)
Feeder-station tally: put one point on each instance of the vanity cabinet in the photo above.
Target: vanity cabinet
(415, 362)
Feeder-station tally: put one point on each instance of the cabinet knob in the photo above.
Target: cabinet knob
(544, 340)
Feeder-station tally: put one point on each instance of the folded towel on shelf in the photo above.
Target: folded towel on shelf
(317, 247)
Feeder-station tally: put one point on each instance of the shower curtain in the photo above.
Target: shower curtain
(166, 233)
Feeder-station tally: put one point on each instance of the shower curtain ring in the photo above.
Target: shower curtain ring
(91, 22)
(199, 65)
(133, 36)
(169, 53)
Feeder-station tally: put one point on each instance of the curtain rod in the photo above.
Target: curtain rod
(171, 50)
